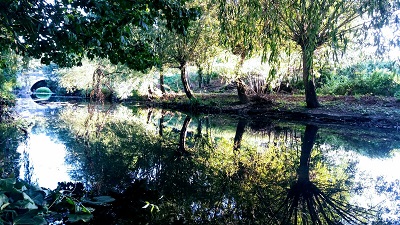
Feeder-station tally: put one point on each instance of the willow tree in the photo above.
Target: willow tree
(314, 24)
(208, 46)
(176, 50)
(241, 33)
(310, 24)
(195, 45)
(306, 203)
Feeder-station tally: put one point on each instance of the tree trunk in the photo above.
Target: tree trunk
(307, 144)
(185, 83)
(308, 79)
(199, 128)
(239, 134)
(240, 85)
(241, 90)
(161, 128)
(149, 92)
(182, 136)
(200, 76)
(149, 115)
(162, 88)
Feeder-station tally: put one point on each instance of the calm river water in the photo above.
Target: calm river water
(166, 167)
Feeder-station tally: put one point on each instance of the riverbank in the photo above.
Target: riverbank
(365, 111)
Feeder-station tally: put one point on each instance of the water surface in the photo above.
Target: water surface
(166, 167)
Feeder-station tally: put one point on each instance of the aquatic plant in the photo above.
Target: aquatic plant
(23, 203)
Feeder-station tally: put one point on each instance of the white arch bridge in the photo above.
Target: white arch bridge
(28, 79)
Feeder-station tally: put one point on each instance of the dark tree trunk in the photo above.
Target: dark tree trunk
(150, 92)
(161, 128)
(237, 141)
(308, 80)
(162, 88)
(149, 114)
(185, 83)
(310, 135)
(199, 128)
(182, 136)
(241, 90)
(200, 76)
(240, 85)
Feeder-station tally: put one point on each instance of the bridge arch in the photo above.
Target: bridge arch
(39, 84)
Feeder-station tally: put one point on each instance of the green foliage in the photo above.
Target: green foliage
(22, 203)
(9, 66)
(173, 82)
(74, 29)
(308, 24)
(376, 78)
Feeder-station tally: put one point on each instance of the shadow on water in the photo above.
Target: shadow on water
(165, 167)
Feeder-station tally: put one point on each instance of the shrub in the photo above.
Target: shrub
(363, 78)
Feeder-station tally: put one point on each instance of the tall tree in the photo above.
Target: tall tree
(313, 24)
(195, 45)
(308, 24)
(241, 34)
(208, 46)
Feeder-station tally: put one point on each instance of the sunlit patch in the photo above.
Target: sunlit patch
(43, 161)
(388, 167)
(380, 178)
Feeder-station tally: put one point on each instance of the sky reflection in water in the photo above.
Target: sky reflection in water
(47, 157)
(46, 160)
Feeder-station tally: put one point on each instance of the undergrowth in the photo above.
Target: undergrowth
(367, 78)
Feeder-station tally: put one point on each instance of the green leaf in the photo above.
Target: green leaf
(37, 196)
(31, 218)
(7, 184)
(24, 204)
(70, 201)
(3, 201)
(37, 220)
(4, 206)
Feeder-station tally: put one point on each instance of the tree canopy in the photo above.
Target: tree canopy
(313, 24)
(308, 24)
(65, 31)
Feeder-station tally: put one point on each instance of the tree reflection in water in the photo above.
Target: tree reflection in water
(305, 203)
(215, 177)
